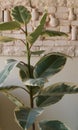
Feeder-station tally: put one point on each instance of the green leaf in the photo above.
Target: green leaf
(9, 26)
(7, 39)
(52, 125)
(35, 89)
(49, 64)
(43, 20)
(25, 117)
(6, 71)
(37, 52)
(61, 88)
(35, 82)
(11, 64)
(51, 33)
(37, 32)
(13, 99)
(8, 87)
(24, 72)
(21, 14)
(53, 93)
(44, 101)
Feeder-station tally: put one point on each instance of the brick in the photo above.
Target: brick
(63, 49)
(38, 43)
(76, 10)
(61, 43)
(72, 3)
(65, 29)
(52, 9)
(65, 22)
(54, 28)
(62, 2)
(75, 23)
(8, 50)
(62, 9)
(62, 16)
(19, 51)
(48, 43)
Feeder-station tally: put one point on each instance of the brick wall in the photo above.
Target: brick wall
(67, 23)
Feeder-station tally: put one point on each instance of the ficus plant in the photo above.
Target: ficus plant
(34, 78)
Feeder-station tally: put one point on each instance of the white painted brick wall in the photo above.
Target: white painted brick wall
(62, 44)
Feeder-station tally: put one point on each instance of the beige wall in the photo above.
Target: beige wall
(67, 20)
(66, 110)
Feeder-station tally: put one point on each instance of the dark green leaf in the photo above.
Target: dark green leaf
(21, 14)
(51, 33)
(52, 125)
(25, 117)
(24, 72)
(35, 89)
(43, 20)
(49, 64)
(52, 94)
(14, 99)
(44, 101)
(34, 35)
(9, 26)
(7, 39)
(60, 88)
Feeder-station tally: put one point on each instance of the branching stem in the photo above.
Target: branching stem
(29, 68)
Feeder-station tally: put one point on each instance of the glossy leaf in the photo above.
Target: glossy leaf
(9, 26)
(44, 101)
(25, 117)
(35, 89)
(6, 71)
(21, 14)
(61, 88)
(35, 82)
(8, 87)
(24, 72)
(51, 33)
(7, 39)
(52, 94)
(49, 65)
(11, 64)
(13, 99)
(52, 125)
(37, 32)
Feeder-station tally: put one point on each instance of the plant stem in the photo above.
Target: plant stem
(29, 68)
(32, 104)
(28, 52)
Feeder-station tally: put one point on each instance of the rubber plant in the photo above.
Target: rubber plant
(34, 78)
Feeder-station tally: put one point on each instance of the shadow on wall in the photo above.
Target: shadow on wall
(66, 110)
(6, 114)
